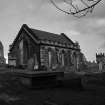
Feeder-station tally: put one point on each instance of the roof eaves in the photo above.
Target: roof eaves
(67, 38)
(12, 45)
(29, 31)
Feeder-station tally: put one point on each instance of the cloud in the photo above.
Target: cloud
(103, 45)
(91, 26)
(41, 14)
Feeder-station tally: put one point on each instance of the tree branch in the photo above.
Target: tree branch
(75, 10)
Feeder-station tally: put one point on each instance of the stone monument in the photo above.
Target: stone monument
(2, 59)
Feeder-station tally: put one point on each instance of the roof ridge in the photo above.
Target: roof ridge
(45, 31)
(45, 35)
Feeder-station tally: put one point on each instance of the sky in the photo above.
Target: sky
(89, 31)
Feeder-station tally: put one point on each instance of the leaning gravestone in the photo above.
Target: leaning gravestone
(30, 65)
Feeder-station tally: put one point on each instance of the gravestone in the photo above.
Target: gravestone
(2, 59)
(30, 65)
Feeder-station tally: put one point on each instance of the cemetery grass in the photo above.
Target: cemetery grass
(14, 93)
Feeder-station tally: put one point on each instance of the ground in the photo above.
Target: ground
(56, 96)
(13, 93)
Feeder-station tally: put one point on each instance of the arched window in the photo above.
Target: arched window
(54, 58)
(75, 61)
(35, 62)
(60, 58)
(21, 51)
(26, 52)
(63, 61)
(69, 58)
(66, 58)
(57, 55)
(49, 57)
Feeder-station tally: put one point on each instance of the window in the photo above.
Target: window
(49, 56)
(21, 51)
(62, 59)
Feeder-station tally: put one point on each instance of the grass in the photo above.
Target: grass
(12, 92)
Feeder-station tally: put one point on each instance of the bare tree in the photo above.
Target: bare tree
(77, 8)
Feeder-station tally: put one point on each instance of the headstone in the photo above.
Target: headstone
(35, 62)
(30, 65)
(2, 59)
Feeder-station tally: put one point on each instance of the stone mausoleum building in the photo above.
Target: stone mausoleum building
(45, 49)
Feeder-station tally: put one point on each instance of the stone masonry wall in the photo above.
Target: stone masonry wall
(61, 57)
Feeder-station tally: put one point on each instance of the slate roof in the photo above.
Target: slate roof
(40, 35)
(43, 35)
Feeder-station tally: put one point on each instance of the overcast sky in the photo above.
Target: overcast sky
(89, 31)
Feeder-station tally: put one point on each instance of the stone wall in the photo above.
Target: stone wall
(24, 50)
(60, 57)
(44, 55)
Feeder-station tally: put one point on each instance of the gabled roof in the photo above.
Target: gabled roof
(38, 36)
(47, 36)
